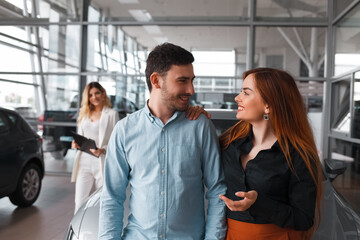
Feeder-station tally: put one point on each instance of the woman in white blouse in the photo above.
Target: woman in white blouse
(96, 121)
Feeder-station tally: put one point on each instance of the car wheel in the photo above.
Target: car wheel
(28, 186)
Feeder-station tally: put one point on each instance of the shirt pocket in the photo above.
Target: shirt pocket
(188, 162)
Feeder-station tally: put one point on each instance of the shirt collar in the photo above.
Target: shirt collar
(148, 113)
(245, 144)
(153, 118)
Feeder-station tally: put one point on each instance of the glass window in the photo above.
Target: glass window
(215, 59)
(64, 48)
(294, 10)
(340, 6)
(347, 51)
(291, 49)
(214, 63)
(106, 51)
(15, 58)
(18, 51)
(56, 11)
(118, 87)
(355, 127)
(17, 36)
(15, 95)
(340, 106)
(142, 55)
(60, 10)
(13, 118)
(350, 154)
(61, 91)
(16, 7)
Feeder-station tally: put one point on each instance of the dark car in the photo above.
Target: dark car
(27, 112)
(57, 130)
(21, 159)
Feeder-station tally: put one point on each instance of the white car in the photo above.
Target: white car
(338, 221)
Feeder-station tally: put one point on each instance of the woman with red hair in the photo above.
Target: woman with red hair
(272, 169)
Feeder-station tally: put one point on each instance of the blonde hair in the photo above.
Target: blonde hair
(86, 107)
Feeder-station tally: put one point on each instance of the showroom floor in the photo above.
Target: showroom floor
(348, 185)
(49, 217)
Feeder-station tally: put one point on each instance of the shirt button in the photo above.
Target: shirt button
(162, 193)
(163, 171)
(160, 236)
(163, 149)
(161, 215)
(163, 130)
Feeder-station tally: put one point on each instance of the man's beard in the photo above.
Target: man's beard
(174, 102)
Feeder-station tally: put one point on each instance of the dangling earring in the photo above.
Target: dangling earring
(266, 116)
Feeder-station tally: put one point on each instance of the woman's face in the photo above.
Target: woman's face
(96, 97)
(251, 106)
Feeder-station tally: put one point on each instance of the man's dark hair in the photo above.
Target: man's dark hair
(163, 56)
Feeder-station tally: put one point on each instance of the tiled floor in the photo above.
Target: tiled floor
(49, 217)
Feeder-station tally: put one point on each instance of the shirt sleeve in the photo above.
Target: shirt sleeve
(299, 212)
(215, 184)
(113, 193)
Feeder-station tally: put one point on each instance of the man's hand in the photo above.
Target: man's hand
(193, 112)
(241, 205)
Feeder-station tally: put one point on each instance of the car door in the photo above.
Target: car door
(8, 154)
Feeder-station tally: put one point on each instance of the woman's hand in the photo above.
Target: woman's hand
(193, 112)
(97, 152)
(74, 145)
(241, 205)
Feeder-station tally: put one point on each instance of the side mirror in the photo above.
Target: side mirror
(334, 168)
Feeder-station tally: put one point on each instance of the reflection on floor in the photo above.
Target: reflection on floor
(49, 218)
(348, 185)
(57, 164)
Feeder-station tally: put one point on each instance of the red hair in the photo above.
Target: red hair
(287, 117)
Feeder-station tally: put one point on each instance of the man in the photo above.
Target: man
(167, 159)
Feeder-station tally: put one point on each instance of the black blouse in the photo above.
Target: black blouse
(283, 198)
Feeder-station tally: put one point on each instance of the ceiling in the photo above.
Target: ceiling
(194, 19)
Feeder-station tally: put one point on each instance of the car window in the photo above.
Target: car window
(26, 127)
(4, 124)
(12, 117)
(23, 124)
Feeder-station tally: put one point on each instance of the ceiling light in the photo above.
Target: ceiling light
(128, 1)
(140, 15)
(153, 29)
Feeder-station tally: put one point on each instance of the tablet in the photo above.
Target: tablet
(84, 143)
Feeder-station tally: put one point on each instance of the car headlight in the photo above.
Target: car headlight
(70, 235)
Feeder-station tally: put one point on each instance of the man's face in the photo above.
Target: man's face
(177, 87)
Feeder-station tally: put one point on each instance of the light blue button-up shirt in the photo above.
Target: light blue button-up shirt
(168, 167)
